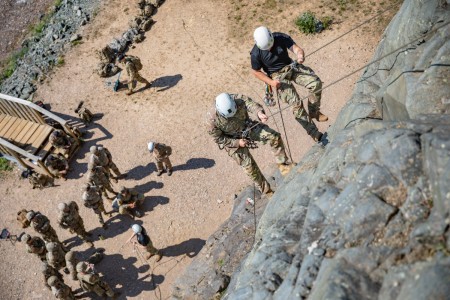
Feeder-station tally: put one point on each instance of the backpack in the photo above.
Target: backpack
(22, 218)
(136, 61)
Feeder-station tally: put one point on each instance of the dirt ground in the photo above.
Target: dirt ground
(183, 210)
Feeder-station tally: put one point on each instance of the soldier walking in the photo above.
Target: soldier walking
(35, 245)
(161, 152)
(98, 176)
(69, 218)
(92, 198)
(41, 224)
(59, 289)
(226, 126)
(91, 282)
(56, 256)
(141, 239)
(127, 202)
(132, 65)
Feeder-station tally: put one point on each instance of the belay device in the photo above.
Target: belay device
(268, 97)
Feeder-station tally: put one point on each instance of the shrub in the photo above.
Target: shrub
(309, 24)
(5, 164)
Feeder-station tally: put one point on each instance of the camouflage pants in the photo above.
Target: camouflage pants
(263, 133)
(305, 77)
(50, 236)
(134, 78)
(80, 230)
(112, 166)
(151, 249)
(244, 158)
(125, 210)
(101, 288)
(106, 186)
(161, 162)
(98, 210)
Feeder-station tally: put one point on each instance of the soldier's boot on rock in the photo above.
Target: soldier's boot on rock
(285, 168)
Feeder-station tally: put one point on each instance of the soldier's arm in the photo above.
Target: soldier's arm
(251, 105)
(220, 137)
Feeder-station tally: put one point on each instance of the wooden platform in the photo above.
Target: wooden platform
(30, 136)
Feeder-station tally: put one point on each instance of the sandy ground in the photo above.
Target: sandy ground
(181, 211)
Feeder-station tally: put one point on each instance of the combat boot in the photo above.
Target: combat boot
(169, 172)
(317, 136)
(285, 168)
(159, 173)
(320, 117)
(158, 257)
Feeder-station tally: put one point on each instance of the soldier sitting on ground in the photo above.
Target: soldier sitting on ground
(127, 202)
(91, 282)
(69, 218)
(133, 65)
(161, 152)
(57, 165)
(62, 142)
(59, 289)
(35, 245)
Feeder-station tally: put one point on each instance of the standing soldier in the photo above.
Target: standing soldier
(100, 156)
(133, 65)
(57, 165)
(48, 271)
(71, 264)
(227, 126)
(98, 176)
(161, 152)
(69, 218)
(41, 224)
(59, 289)
(56, 256)
(270, 63)
(91, 282)
(92, 198)
(127, 201)
(141, 238)
(35, 245)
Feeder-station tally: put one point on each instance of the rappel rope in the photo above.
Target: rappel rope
(144, 262)
(254, 211)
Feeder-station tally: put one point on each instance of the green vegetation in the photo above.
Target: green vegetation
(10, 63)
(60, 61)
(5, 165)
(77, 42)
(309, 24)
(220, 262)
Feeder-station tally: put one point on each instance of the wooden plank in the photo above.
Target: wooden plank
(15, 107)
(35, 135)
(29, 133)
(20, 111)
(7, 125)
(4, 108)
(18, 129)
(14, 148)
(24, 131)
(5, 121)
(14, 126)
(42, 136)
(45, 151)
(2, 116)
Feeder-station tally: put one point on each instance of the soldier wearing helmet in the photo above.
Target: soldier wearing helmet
(227, 126)
(69, 218)
(161, 153)
(100, 156)
(141, 238)
(48, 271)
(270, 63)
(99, 176)
(57, 165)
(62, 142)
(92, 198)
(128, 201)
(56, 256)
(91, 282)
(132, 65)
(41, 224)
(35, 245)
(59, 289)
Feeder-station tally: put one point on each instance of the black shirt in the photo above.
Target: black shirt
(274, 59)
(143, 238)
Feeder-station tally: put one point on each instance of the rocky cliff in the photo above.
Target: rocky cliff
(367, 216)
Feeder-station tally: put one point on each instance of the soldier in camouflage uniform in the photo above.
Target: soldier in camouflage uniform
(35, 245)
(41, 224)
(56, 256)
(161, 152)
(133, 73)
(127, 202)
(92, 198)
(59, 289)
(98, 176)
(226, 126)
(62, 142)
(91, 282)
(57, 165)
(84, 113)
(48, 271)
(100, 156)
(71, 263)
(69, 218)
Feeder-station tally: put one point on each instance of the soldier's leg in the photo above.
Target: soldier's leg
(264, 134)
(51, 236)
(168, 165)
(243, 157)
(159, 167)
(109, 188)
(125, 211)
(141, 79)
(306, 77)
(98, 211)
(114, 168)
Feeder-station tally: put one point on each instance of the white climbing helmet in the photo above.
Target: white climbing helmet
(263, 38)
(225, 105)
(136, 228)
(151, 146)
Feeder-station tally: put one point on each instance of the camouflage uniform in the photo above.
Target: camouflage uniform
(127, 201)
(91, 282)
(41, 224)
(98, 176)
(161, 154)
(56, 256)
(69, 218)
(62, 141)
(49, 271)
(71, 263)
(227, 133)
(92, 198)
(35, 245)
(40, 180)
(106, 67)
(102, 157)
(59, 289)
(85, 114)
(133, 75)
(57, 165)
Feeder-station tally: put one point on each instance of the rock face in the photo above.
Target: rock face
(368, 216)
(45, 49)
